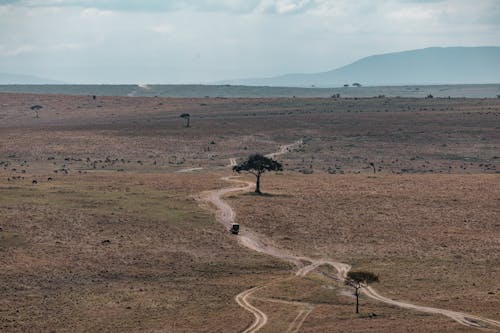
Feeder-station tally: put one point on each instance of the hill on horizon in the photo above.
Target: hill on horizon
(429, 66)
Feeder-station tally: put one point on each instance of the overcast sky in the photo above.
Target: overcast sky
(197, 41)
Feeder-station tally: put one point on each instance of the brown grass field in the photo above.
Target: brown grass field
(115, 241)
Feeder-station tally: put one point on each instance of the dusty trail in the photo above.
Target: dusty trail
(186, 170)
(285, 149)
(462, 318)
(226, 216)
(260, 317)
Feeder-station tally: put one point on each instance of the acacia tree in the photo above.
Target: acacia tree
(36, 108)
(357, 280)
(257, 164)
(186, 116)
(373, 166)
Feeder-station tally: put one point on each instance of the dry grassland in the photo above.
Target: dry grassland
(111, 252)
(76, 133)
(116, 242)
(433, 239)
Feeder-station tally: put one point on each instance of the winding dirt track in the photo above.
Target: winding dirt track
(226, 216)
(260, 317)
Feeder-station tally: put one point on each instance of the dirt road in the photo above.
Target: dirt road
(226, 216)
(462, 318)
(260, 317)
(285, 149)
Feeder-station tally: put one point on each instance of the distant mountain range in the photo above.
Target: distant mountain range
(6, 78)
(435, 65)
(430, 66)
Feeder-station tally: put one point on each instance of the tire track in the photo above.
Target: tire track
(299, 320)
(286, 148)
(460, 317)
(260, 317)
(225, 215)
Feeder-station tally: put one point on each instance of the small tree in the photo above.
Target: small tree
(257, 164)
(187, 117)
(357, 280)
(373, 166)
(36, 108)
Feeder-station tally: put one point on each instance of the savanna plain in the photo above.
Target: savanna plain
(102, 227)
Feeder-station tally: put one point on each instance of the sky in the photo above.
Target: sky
(201, 41)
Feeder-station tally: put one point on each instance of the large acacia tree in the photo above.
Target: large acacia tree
(257, 164)
(359, 279)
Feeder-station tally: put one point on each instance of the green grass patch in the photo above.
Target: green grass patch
(137, 201)
(8, 239)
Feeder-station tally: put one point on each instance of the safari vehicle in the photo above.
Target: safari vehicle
(235, 228)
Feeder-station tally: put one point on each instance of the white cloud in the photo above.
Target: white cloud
(283, 6)
(44, 2)
(65, 47)
(16, 50)
(159, 40)
(413, 14)
(291, 6)
(232, 6)
(164, 29)
(92, 13)
(10, 51)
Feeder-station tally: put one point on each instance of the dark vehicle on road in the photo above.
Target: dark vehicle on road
(235, 228)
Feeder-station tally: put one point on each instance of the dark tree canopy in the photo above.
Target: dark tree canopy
(373, 166)
(362, 277)
(257, 164)
(36, 108)
(186, 116)
(357, 279)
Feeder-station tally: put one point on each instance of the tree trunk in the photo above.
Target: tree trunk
(357, 300)
(257, 185)
(187, 124)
